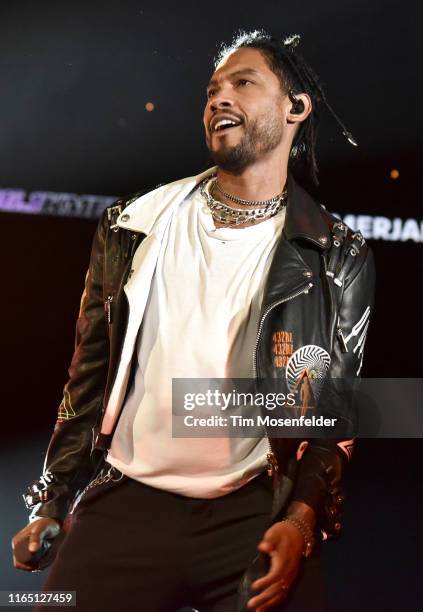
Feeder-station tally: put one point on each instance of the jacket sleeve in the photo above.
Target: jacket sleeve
(320, 470)
(67, 465)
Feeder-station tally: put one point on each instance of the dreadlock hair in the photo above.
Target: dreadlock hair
(295, 76)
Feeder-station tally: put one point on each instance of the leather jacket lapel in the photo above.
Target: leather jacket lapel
(291, 268)
(304, 218)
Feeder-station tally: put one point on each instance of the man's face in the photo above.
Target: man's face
(243, 90)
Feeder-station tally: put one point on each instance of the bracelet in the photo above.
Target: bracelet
(305, 531)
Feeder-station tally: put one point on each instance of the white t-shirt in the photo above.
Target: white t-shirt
(201, 321)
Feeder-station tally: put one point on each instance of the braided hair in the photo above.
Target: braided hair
(295, 76)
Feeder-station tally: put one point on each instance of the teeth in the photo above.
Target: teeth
(223, 122)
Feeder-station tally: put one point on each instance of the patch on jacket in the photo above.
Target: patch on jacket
(306, 371)
(283, 347)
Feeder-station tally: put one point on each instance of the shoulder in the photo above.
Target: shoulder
(350, 244)
(112, 212)
(338, 227)
(125, 200)
(332, 221)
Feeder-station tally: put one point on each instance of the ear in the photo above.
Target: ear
(303, 108)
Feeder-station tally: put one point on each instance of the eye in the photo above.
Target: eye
(243, 82)
(209, 93)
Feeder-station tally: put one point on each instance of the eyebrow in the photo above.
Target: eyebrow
(235, 74)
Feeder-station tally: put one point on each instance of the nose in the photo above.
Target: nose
(220, 101)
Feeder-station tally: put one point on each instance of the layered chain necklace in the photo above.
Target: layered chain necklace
(233, 216)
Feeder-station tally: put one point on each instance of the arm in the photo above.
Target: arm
(319, 479)
(67, 465)
(317, 496)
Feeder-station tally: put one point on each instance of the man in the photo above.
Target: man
(235, 272)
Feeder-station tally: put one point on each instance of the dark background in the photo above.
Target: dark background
(75, 78)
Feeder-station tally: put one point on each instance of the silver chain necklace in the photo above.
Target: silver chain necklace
(229, 215)
(262, 203)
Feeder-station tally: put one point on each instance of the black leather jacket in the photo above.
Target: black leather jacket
(320, 286)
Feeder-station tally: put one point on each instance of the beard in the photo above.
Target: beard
(260, 137)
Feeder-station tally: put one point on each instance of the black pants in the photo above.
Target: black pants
(135, 547)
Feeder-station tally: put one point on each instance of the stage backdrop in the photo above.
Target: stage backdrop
(100, 99)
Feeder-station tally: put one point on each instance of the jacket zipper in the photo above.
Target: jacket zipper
(341, 338)
(108, 306)
(271, 457)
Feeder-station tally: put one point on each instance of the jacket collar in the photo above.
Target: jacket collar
(304, 218)
(150, 211)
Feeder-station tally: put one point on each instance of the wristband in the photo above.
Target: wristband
(305, 531)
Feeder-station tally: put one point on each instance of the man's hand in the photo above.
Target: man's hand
(285, 544)
(29, 540)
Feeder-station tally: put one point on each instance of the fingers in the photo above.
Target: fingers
(270, 538)
(265, 546)
(275, 585)
(267, 580)
(30, 539)
(284, 569)
(21, 553)
(34, 540)
(26, 542)
(270, 604)
(22, 566)
(275, 593)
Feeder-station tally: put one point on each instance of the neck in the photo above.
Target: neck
(260, 181)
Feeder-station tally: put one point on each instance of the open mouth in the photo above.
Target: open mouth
(225, 129)
(224, 124)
